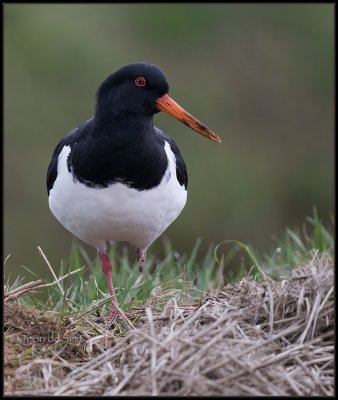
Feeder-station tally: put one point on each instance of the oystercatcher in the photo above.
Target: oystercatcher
(117, 177)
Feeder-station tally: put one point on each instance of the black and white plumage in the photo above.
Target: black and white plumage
(118, 177)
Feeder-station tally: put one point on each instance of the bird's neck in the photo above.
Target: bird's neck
(121, 124)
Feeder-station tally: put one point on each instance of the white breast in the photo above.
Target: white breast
(117, 212)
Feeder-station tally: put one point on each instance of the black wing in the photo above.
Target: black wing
(70, 139)
(181, 169)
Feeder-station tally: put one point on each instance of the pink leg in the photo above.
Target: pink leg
(107, 269)
(141, 257)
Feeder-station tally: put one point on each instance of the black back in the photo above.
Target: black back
(97, 165)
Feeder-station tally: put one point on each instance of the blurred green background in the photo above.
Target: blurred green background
(259, 75)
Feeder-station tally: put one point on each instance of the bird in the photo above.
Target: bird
(117, 177)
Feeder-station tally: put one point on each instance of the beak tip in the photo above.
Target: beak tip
(217, 139)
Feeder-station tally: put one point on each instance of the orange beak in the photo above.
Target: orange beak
(169, 106)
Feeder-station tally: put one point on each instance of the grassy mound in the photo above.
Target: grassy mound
(249, 338)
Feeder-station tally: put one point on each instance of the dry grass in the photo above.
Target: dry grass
(268, 338)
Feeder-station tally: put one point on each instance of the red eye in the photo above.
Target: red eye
(140, 81)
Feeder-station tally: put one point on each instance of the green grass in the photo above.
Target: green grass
(296, 245)
(187, 277)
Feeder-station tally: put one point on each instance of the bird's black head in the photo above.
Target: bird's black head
(135, 93)
(132, 89)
